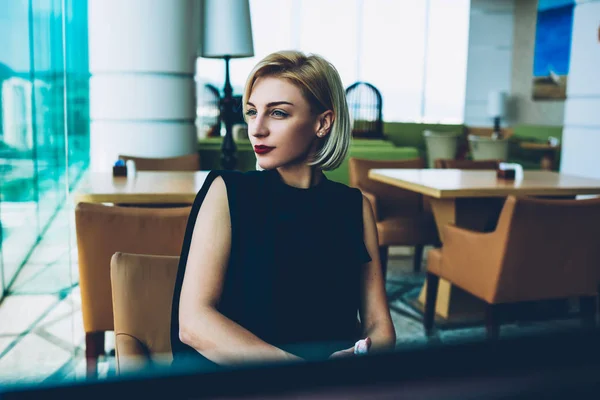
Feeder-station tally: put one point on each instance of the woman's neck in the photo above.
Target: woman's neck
(300, 176)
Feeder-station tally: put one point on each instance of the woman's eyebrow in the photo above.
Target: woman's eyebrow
(273, 103)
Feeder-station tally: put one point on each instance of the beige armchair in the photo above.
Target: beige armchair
(403, 218)
(188, 162)
(142, 293)
(540, 250)
(101, 232)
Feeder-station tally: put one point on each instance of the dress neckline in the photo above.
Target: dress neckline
(313, 189)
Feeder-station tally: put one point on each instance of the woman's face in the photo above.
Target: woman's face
(281, 127)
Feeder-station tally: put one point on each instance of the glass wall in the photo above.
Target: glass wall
(44, 129)
(413, 51)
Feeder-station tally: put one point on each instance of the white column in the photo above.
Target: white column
(490, 57)
(142, 55)
(581, 132)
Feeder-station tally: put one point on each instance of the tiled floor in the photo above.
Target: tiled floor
(41, 329)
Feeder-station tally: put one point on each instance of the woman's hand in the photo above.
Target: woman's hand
(361, 347)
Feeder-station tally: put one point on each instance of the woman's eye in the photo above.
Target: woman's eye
(250, 113)
(279, 113)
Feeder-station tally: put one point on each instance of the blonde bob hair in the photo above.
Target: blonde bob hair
(321, 86)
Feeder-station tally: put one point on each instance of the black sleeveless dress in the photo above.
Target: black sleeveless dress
(293, 277)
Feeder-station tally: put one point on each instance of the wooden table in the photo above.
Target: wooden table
(470, 199)
(147, 187)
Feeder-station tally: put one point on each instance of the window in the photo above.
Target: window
(328, 28)
(392, 44)
(446, 64)
(44, 126)
(413, 51)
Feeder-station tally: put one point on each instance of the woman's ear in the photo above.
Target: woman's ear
(324, 123)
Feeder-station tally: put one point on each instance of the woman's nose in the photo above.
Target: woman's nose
(258, 127)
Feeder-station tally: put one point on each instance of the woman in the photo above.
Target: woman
(276, 263)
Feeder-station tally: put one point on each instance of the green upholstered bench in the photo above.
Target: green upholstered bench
(371, 143)
(210, 154)
(341, 174)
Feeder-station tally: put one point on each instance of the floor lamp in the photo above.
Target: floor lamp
(226, 32)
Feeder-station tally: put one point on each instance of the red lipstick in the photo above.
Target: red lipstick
(262, 149)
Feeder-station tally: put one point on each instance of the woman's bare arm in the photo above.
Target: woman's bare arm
(201, 325)
(374, 311)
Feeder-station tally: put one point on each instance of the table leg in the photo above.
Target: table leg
(444, 212)
(478, 214)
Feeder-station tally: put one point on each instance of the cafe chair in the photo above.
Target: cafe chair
(540, 250)
(101, 232)
(189, 162)
(467, 164)
(403, 217)
(142, 294)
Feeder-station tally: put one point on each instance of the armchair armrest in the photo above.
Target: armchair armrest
(373, 200)
(472, 260)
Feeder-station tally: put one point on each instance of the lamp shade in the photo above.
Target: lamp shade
(496, 104)
(226, 29)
